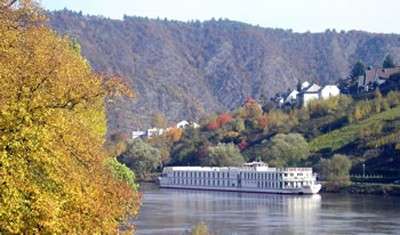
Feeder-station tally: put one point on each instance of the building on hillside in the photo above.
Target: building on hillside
(329, 91)
(375, 77)
(304, 85)
(315, 92)
(154, 132)
(308, 94)
(291, 98)
(182, 124)
(138, 134)
(195, 125)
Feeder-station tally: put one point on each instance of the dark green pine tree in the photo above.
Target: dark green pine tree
(388, 62)
(357, 70)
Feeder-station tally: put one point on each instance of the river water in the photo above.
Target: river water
(174, 212)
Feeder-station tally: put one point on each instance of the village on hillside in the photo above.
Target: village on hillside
(152, 132)
(306, 92)
(301, 96)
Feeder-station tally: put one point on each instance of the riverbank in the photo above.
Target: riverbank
(373, 189)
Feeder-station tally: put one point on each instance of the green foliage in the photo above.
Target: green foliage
(237, 125)
(223, 155)
(338, 138)
(122, 172)
(190, 149)
(141, 157)
(331, 106)
(286, 150)
(388, 62)
(336, 170)
(357, 70)
(279, 120)
(393, 98)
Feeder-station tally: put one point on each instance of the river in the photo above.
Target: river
(174, 212)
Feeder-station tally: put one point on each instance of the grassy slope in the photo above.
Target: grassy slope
(337, 139)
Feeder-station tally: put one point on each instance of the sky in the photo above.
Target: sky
(380, 16)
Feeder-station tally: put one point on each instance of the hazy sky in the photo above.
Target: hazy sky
(299, 15)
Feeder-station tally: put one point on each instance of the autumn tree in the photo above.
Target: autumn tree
(262, 121)
(174, 134)
(55, 175)
(223, 119)
(213, 125)
(200, 229)
(251, 109)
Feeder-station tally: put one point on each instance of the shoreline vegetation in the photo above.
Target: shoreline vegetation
(371, 189)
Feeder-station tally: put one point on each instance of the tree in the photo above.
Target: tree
(262, 121)
(251, 109)
(213, 125)
(357, 70)
(388, 62)
(175, 134)
(200, 229)
(141, 157)
(158, 120)
(286, 150)
(54, 177)
(223, 155)
(223, 119)
(336, 170)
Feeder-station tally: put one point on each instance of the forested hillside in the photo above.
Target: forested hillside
(187, 70)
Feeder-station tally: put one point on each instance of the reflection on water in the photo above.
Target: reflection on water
(169, 211)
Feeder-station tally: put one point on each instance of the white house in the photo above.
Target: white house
(154, 132)
(195, 125)
(329, 91)
(182, 124)
(291, 97)
(311, 93)
(304, 85)
(137, 134)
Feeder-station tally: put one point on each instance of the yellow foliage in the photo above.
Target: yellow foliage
(52, 127)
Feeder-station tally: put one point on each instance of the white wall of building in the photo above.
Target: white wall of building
(308, 97)
(329, 91)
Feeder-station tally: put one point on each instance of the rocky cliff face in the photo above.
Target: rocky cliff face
(186, 70)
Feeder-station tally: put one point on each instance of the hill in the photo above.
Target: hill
(187, 70)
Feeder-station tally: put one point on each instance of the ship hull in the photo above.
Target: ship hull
(314, 189)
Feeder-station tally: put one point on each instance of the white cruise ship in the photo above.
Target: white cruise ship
(252, 177)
